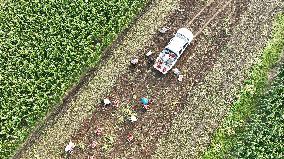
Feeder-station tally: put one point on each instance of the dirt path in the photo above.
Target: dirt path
(155, 133)
(143, 81)
(210, 100)
(49, 141)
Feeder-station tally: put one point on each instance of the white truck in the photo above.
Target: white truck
(169, 56)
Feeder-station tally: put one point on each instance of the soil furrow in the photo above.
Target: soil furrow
(155, 133)
(210, 100)
(49, 140)
(156, 122)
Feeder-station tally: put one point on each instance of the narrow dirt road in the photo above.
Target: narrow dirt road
(177, 123)
(210, 100)
(169, 95)
(49, 140)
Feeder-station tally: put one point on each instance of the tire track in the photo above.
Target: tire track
(209, 101)
(199, 13)
(212, 18)
(130, 85)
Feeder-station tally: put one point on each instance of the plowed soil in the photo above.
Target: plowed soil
(170, 97)
(167, 93)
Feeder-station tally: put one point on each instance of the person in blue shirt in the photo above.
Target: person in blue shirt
(145, 102)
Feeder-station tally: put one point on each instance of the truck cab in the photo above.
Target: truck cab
(170, 54)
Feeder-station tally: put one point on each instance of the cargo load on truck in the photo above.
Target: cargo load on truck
(170, 54)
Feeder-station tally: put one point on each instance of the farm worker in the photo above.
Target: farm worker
(144, 101)
(149, 57)
(91, 157)
(133, 118)
(107, 102)
(134, 61)
(115, 104)
(134, 107)
(151, 60)
(163, 30)
(69, 148)
(93, 144)
(180, 77)
(176, 71)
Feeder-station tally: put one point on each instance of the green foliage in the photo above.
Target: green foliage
(226, 136)
(45, 47)
(262, 136)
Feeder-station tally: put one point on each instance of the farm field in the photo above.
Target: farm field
(184, 114)
(254, 126)
(45, 48)
(211, 99)
(262, 135)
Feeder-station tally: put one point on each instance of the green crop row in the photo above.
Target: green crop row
(254, 127)
(45, 46)
(263, 134)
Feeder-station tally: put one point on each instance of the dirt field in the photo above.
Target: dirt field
(175, 125)
(211, 99)
(82, 100)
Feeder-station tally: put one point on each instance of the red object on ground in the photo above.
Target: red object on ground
(172, 55)
(146, 107)
(93, 144)
(134, 107)
(116, 104)
(98, 131)
(159, 64)
(130, 137)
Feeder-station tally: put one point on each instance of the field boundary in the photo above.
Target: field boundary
(83, 81)
(75, 106)
(208, 102)
(255, 85)
(104, 80)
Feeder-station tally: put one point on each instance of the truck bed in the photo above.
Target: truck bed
(165, 61)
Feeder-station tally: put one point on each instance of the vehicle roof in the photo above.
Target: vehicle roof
(187, 33)
(176, 44)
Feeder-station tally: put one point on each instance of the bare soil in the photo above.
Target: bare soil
(168, 94)
(47, 139)
(170, 97)
(210, 100)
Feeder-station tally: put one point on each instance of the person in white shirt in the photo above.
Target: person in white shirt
(132, 118)
(180, 77)
(69, 148)
(134, 61)
(163, 30)
(176, 71)
(106, 102)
